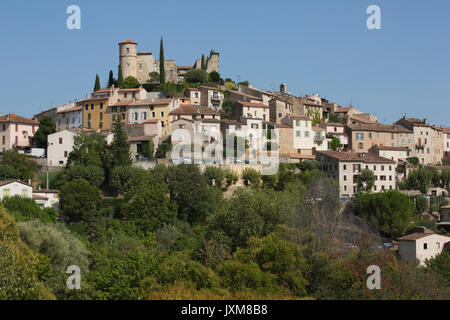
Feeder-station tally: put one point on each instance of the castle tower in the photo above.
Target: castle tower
(212, 63)
(128, 58)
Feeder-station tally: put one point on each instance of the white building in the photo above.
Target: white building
(421, 246)
(47, 198)
(346, 166)
(69, 118)
(13, 188)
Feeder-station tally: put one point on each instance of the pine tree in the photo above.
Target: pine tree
(120, 78)
(97, 84)
(203, 62)
(120, 148)
(111, 80)
(162, 67)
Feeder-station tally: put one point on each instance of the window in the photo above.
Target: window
(162, 114)
(66, 154)
(360, 136)
(87, 107)
(128, 50)
(140, 66)
(153, 114)
(345, 178)
(25, 192)
(425, 246)
(6, 192)
(360, 145)
(382, 168)
(306, 134)
(298, 123)
(101, 105)
(3, 140)
(298, 133)
(345, 167)
(280, 115)
(438, 245)
(101, 116)
(60, 140)
(92, 106)
(17, 128)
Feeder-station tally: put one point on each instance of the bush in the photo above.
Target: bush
(131, 83)
(92, 174)
(79, 200)
(25, 209)
(123, 178)
(421, 204)
(64, 249)
(196, 76)
(251, 178)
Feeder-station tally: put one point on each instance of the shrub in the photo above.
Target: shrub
(92, 174)
(25, 209)
(251, 178)
(79, 200)
(196, 76)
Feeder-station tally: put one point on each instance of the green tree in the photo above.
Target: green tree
(196, 76)
(390, 212)
(21, 270)
(419, 179)
(62, 247)
(251, 178)
(335, 143)
(95, 175)
(440, 264)
(46, 127)
(365, 180)
(124, 178)
(154, 77)
(89, 149)
(162, 64)
(120, 78)
(421, 204)
(162, 150)
(148, 149)
(120, 147)
(79, 200)
(214, 76)
(130, 83)
(111, 80)
(97, 83)
(190, 191)
(22, 168)
(203, 63)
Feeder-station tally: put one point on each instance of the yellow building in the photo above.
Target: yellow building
(95, 113)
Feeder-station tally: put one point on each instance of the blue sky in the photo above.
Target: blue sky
(311, 45)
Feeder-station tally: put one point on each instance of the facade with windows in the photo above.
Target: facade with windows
(71, 118)
(13, 188)
(16, 132)
(362, 137)
(346, 166)
(418, 247)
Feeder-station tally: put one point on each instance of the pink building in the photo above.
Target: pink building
(16, 131)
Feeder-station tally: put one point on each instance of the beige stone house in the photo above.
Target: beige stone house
(418, 247)
(428, 140)
(393, 153)
(346, 166)
(250, 110)
(362, 137)
(16, 132)
(446, 134)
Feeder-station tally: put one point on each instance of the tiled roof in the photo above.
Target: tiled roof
(130, 90)
(253, 105)
(351, 156)
(102, 91)
(128, 41)
(144, 102)
(38, 197)
(342, 109)
(414, 236)
(71, 110)
(361, 119)
(141, 138)
(301, 156)
(14, 118)
(6, 182)
(46, 191)
(93, 99)
(387, 148)
(192, 109)
(379, 127)
(123, 103)
(300, 118)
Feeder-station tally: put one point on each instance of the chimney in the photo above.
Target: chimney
(283, 88)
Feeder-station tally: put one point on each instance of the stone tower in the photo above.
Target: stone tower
(128, 58)
(213, 62)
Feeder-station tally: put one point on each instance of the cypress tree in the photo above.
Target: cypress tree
(97, 83)
(162, 67)
(120, 147)
(120, 78)
(111, 80)
(203, 62)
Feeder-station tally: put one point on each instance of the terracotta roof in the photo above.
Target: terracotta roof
(301, 156)
(446, 130)
(6, 182)
(244, 94)
(300, 118)
(317, 128)
(93, 99)
(46, 191)
(14, 118)
(308, 103)
(253, 105)
(378, 127)
(122, 103)
(130, 90)
(387, 148)
(185, 67)
(193, 109)
(141, 138)
(414, 236)
(209, 88)
(229, 122)
(361, 119)
(331, 124)
(144, 102)
(102, 91)
(208, 120)
(152, 121)
(283, 125)
(71, 109)
(37, 197)
(342, 109)
(128, 41)
(356, 157)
